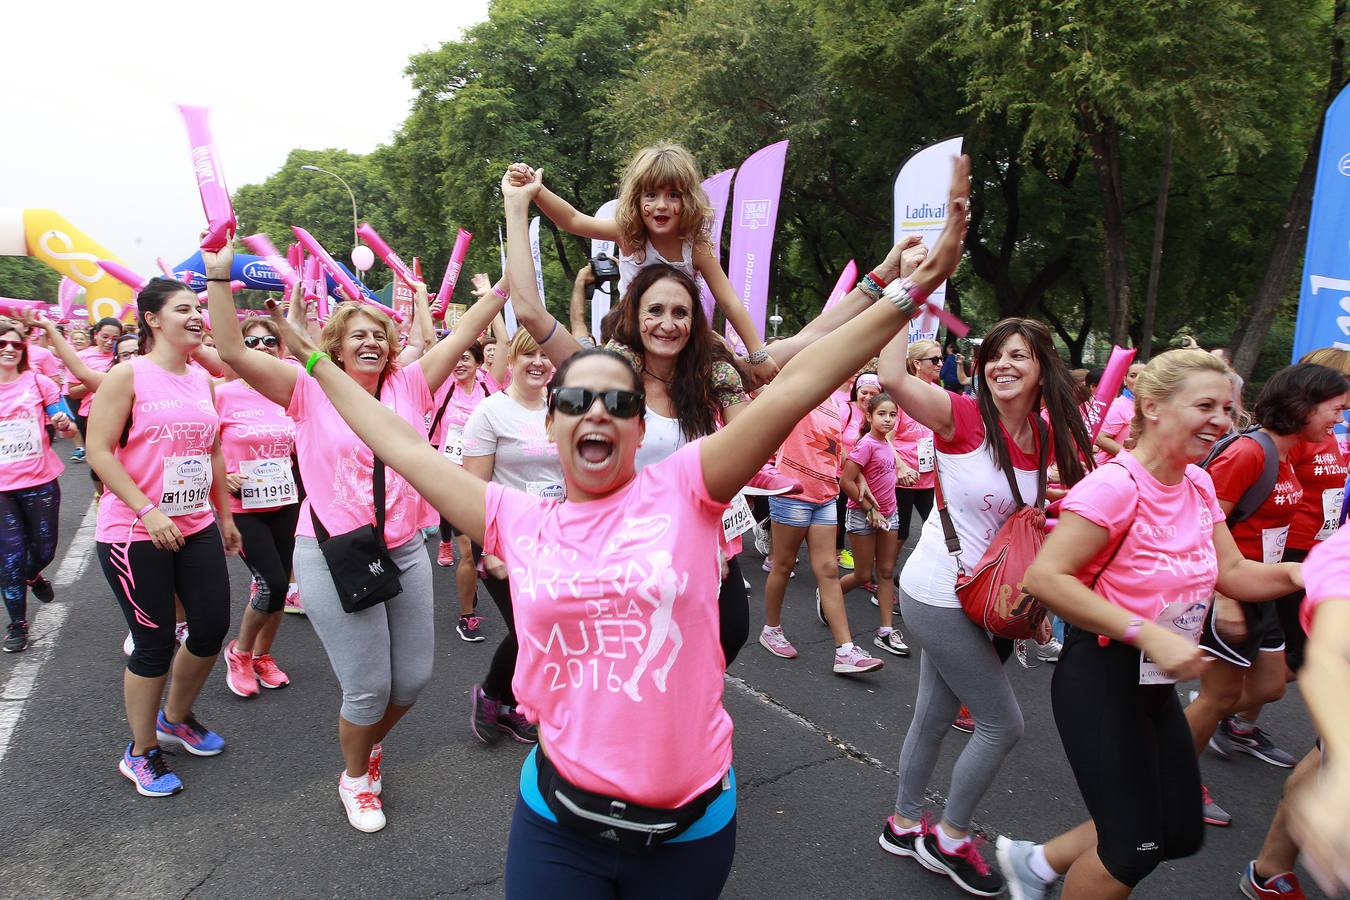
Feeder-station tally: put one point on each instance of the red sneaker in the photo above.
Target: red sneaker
(1284, 886)
(239, 676)
(964, 721)
(445, 554)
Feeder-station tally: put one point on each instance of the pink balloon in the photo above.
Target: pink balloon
(12, 307)
(261, 244)
(363, 257)
(452, 270)
(235, 287)
(847, 279)
(124, 275)
(1109, 387)
(220, 221)
(295, 255)
(386, 253)
(163, 267)
(339, 274)
(320, 284)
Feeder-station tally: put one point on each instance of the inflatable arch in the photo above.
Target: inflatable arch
(46, 235)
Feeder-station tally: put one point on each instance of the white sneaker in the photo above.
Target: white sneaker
(894, 642)
(855, 660)
(1049, 651)
(180, 632)
(761, 538)
(364, 811)
(128, 645)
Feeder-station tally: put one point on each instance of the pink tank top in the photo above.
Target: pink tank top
(257, 439)
(171, 431)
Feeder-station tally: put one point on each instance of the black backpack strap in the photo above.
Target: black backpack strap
(377, 483)
(1261, 488)
(441, 412)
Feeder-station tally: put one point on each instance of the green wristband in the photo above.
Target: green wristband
(313, 360)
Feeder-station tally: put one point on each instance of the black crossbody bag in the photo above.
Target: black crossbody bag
(364, 573)
(611, 822)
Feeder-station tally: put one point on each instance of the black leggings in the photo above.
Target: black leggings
(841, 515)
(1132, 755)
(907, 501)
(28, 531)
(733, 609)
(145, 579)
(269, 544)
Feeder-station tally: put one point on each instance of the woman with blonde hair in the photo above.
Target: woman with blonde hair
(506, 442)
(913, 442)
(382, 654)
(1140, 547)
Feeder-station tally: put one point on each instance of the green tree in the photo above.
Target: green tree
(24, 278)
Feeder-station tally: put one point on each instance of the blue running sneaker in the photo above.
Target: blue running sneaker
(193, 736)
(150, 773)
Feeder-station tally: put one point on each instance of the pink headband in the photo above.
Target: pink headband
(868, 378)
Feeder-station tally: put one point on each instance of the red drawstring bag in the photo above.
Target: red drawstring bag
(993, 596)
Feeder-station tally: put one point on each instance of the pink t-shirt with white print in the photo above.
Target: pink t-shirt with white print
(338, 468)
(44, 362)
(253, 428)
(1168, 554)
(26, 455)
(877, 461)
(173, 426)
(616, 613)
(1115, 425)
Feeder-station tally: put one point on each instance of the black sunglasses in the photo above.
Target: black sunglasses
(576, 401)
(269, 341)
(935, 360)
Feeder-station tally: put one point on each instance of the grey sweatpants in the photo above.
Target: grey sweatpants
(383, 654)
(957, 665)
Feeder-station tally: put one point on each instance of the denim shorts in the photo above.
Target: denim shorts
(801, 514)
(855, 522)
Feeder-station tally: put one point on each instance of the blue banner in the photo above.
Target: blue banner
(1324, 293)
(253, 271)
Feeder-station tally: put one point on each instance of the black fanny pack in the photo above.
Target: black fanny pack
(363, 572)
(622, 823)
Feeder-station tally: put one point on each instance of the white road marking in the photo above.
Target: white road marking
(47, 620)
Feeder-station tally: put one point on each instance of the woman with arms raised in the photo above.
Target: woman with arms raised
(594, 598)
(382, 654)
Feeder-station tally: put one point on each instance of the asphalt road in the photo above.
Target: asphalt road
(815, 757)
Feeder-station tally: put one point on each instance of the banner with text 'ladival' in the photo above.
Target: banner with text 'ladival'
(606, 296)
(754, 219)
(718, 189)
(1324, 294)
(921, 208)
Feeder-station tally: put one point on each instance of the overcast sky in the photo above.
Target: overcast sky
(89, 92)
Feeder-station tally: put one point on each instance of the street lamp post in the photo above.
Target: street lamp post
(356, 238)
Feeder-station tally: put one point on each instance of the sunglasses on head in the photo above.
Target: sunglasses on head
(576, 401)
(267, 340)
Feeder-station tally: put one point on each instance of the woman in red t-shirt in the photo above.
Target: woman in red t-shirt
(1299, 403)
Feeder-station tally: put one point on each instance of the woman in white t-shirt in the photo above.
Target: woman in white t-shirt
(506, 442)
(976, 439)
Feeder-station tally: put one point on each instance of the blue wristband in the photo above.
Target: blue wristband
(59, 407)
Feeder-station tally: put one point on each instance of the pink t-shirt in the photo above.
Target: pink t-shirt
(1168, 555)
(26, 455)
(45, 362)
(251, 428)
(1116, 425)
(96, 359)
(173, 426)
(616, 613)
(338, 468)
(812, 454)
(913, 443)
(850, 420)
(1326, 574)
(877, 461)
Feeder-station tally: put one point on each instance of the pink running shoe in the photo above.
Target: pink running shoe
(293, 604)
(855, 660)
(773, 640)
(445, 554)
(769, 482)
(269, 675)
(239, 676)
